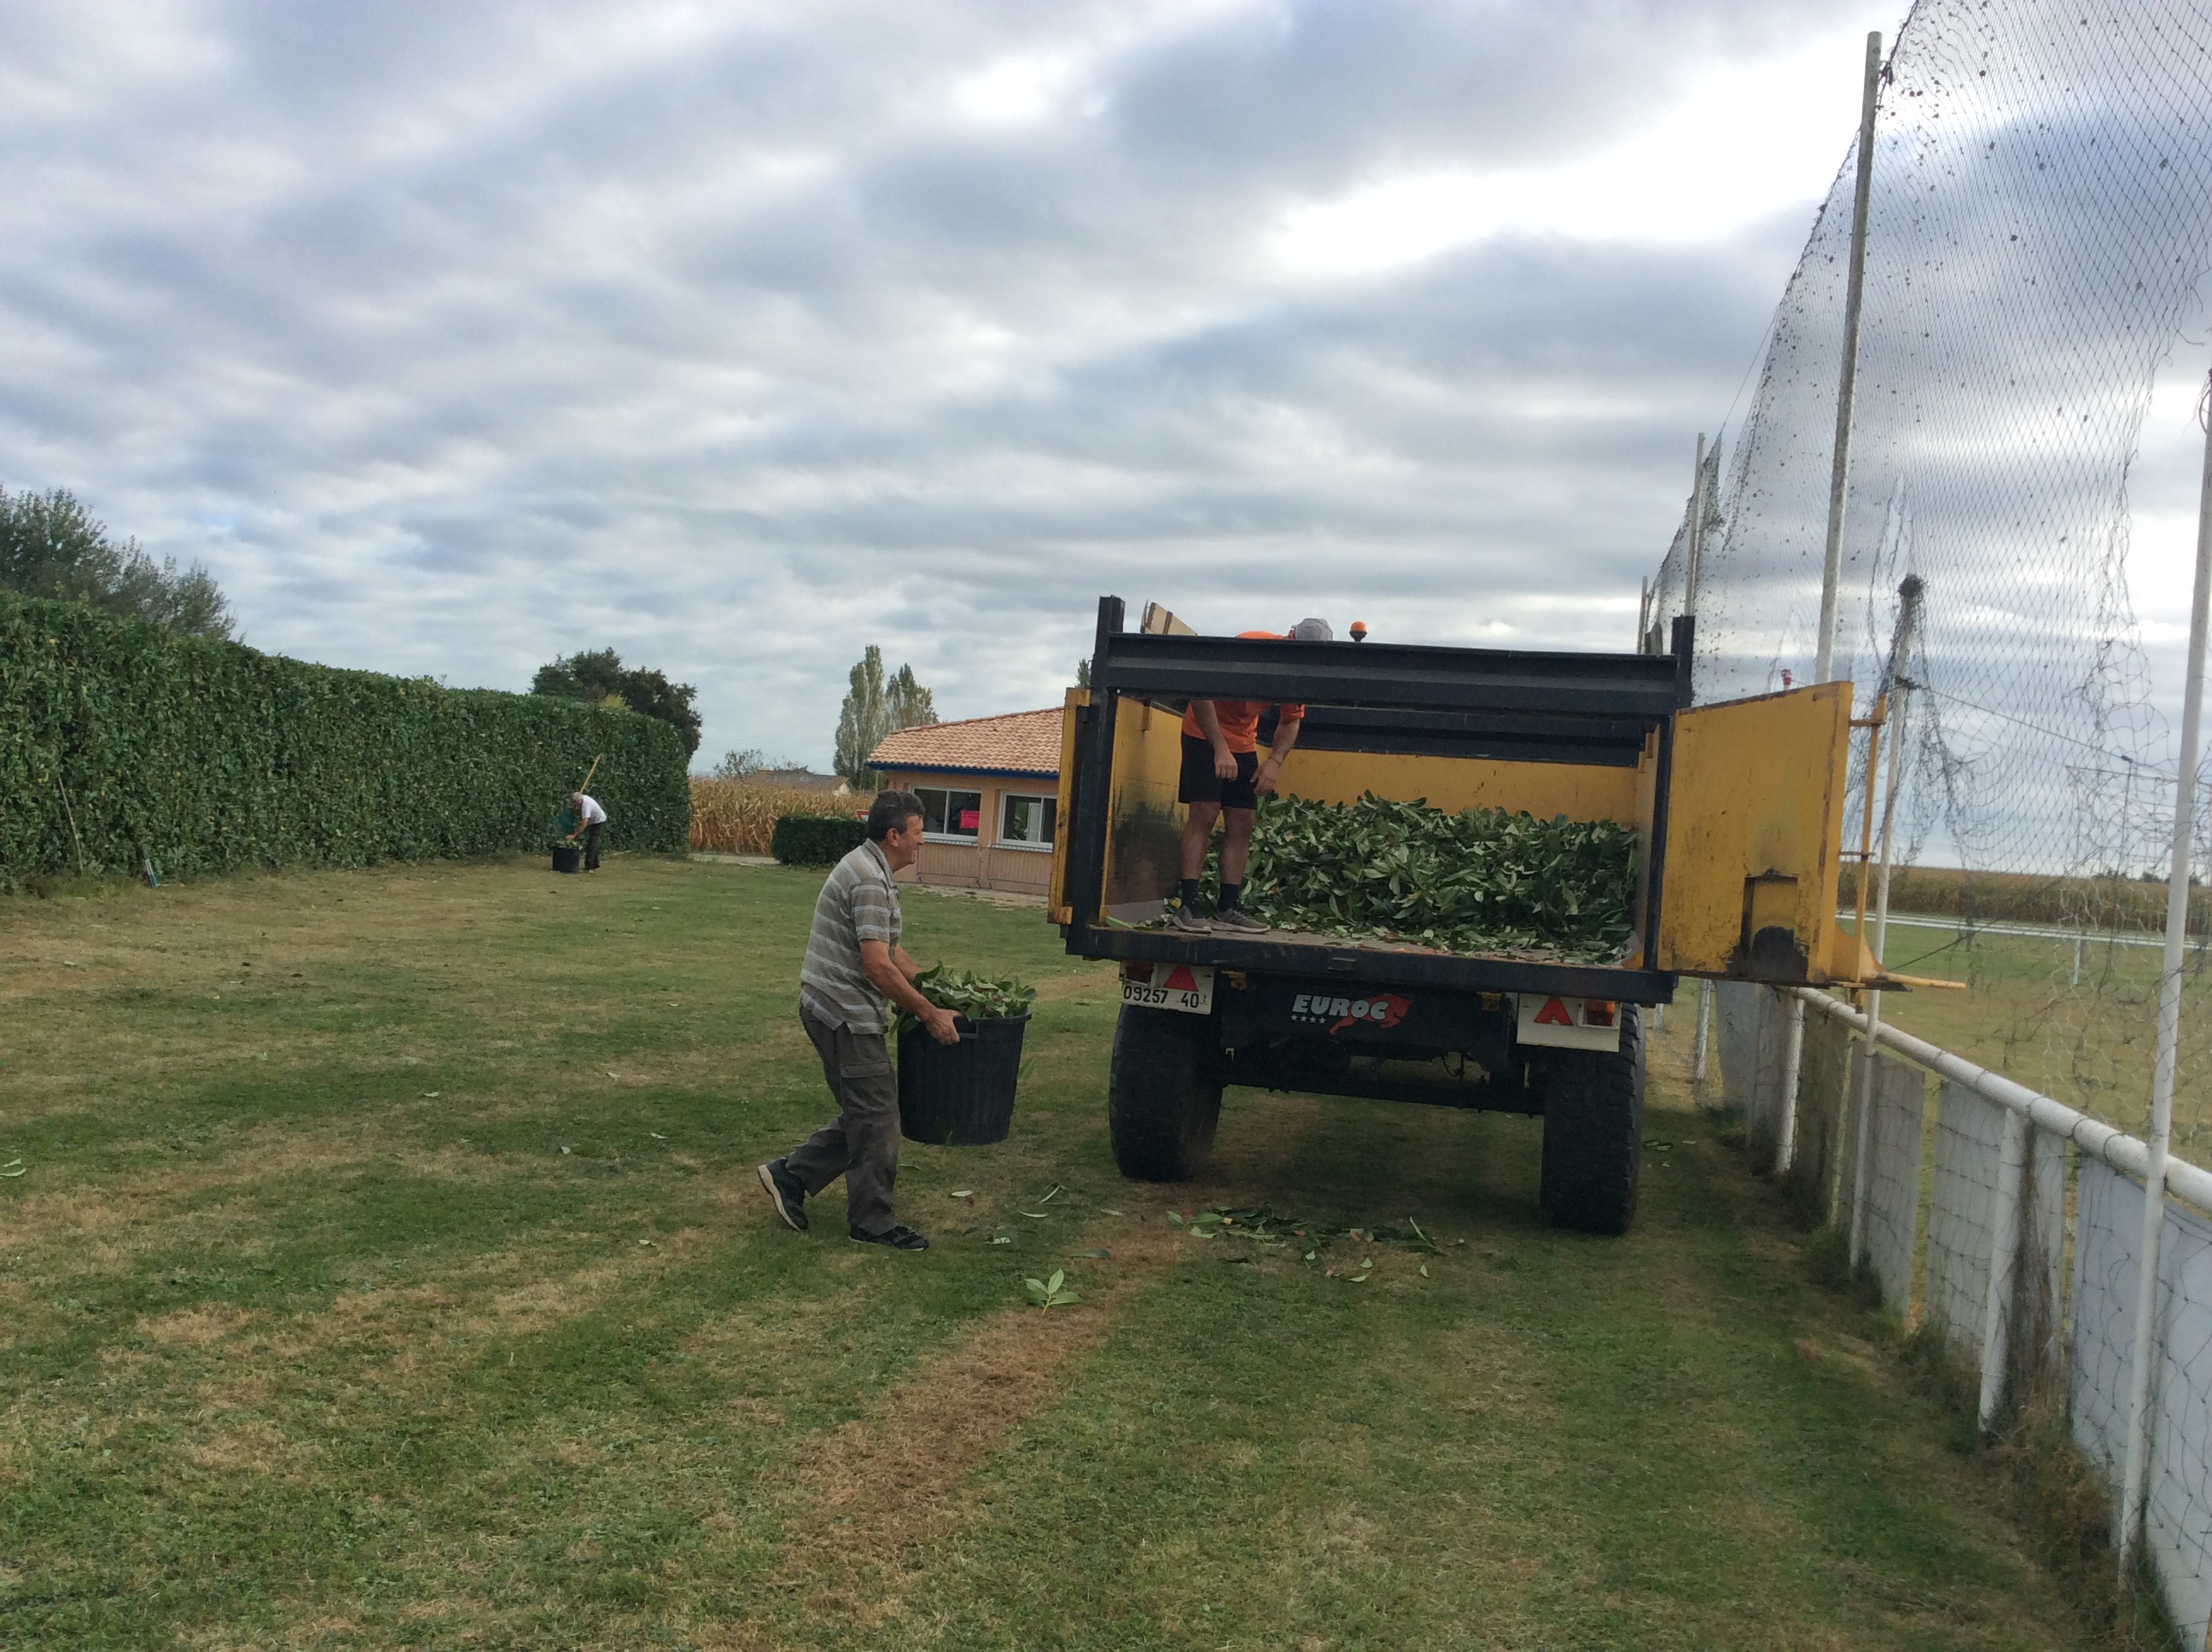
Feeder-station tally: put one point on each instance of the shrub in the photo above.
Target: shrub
(817, 840)
(740, 817)
(213, 755)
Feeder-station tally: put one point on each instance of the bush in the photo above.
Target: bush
(213, 755)
(817, 840)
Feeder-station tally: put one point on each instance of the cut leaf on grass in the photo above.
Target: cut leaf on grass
(1100, 1254)
(1052, 1292)
(430, 1094)
(13, 1167)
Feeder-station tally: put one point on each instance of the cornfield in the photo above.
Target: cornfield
(2090, 903)
(731, 818)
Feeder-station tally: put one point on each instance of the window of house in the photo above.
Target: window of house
(955, 815)
(1026, 821)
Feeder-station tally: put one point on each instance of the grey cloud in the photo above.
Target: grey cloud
(456, 337)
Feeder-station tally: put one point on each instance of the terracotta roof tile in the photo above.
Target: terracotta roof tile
(1020, 742)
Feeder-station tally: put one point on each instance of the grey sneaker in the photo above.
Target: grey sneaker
(898, 1238)
(1237, 918)
(785, 1193)
(1186, 918)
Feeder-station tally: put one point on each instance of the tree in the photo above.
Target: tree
(873, 708)
(50, 547)
(600, 679)
(741, 765)
(1083, 673)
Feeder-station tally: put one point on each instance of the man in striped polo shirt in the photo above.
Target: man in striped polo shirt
(854, 970)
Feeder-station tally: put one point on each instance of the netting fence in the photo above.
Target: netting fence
(2039, 245)
(2017, 1242)
(2039, 236)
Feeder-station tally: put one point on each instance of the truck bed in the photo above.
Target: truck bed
(1376, 962)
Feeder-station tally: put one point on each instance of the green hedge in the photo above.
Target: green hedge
(815, 840)
(214, 755)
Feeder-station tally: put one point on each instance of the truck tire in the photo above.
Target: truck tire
(1161, 1107)
(1594, 1132)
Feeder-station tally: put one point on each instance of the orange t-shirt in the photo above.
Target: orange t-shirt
(1240, 718)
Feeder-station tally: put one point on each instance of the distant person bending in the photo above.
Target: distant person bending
(592, 822)
(1223, 779)
(854, 971)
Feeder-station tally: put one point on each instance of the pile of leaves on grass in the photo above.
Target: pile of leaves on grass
(979, 997)
(1480, 881)
(1272, 1231)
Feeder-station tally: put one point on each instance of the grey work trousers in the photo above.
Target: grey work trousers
(863, 1145)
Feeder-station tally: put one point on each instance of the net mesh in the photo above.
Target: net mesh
(1899, 1106)
(2178, 1512)
(1961, 1231)
(2038, 235)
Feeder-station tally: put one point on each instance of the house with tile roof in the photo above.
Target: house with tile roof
(988, 788)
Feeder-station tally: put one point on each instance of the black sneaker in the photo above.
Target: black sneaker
(896, 1238)
(786, 1194)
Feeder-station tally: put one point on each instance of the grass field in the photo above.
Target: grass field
(386, 1270)
(2090, 1043)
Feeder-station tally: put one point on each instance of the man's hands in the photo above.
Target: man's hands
(1263, 779)
(893, 973)
(1225, 762)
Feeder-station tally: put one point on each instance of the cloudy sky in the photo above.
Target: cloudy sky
(735, 337)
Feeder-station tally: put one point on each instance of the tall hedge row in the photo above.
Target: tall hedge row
(214, 755)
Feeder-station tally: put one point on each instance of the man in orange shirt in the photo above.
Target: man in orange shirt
(1223, 779)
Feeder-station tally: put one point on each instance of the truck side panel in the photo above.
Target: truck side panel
(1752, 853)
(1145, 822)
(1064, 808)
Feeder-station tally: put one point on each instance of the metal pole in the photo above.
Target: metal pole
(1897, 687)
(1643, 617)
(2169, 1032)
(1847, 384)
(1694, 564)
(1832, 566)
(1697, 531)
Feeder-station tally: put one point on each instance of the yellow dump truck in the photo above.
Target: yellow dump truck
(1736, 809)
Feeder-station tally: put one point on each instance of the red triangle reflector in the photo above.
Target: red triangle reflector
(1180, 979)
(1553, 1014)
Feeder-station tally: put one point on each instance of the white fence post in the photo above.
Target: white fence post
(2005, 1258)
(1703, 1033)
(1793, 1050)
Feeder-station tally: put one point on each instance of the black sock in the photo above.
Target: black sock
(1230, 894)
(1190, 895)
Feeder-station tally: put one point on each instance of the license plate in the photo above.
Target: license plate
(1185, 986)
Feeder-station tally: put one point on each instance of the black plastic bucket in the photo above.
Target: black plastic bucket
(960, 1095)
(568, 857)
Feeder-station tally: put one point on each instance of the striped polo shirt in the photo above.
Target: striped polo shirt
(858, 903)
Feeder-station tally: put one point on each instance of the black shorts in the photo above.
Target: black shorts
(1201, 785)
